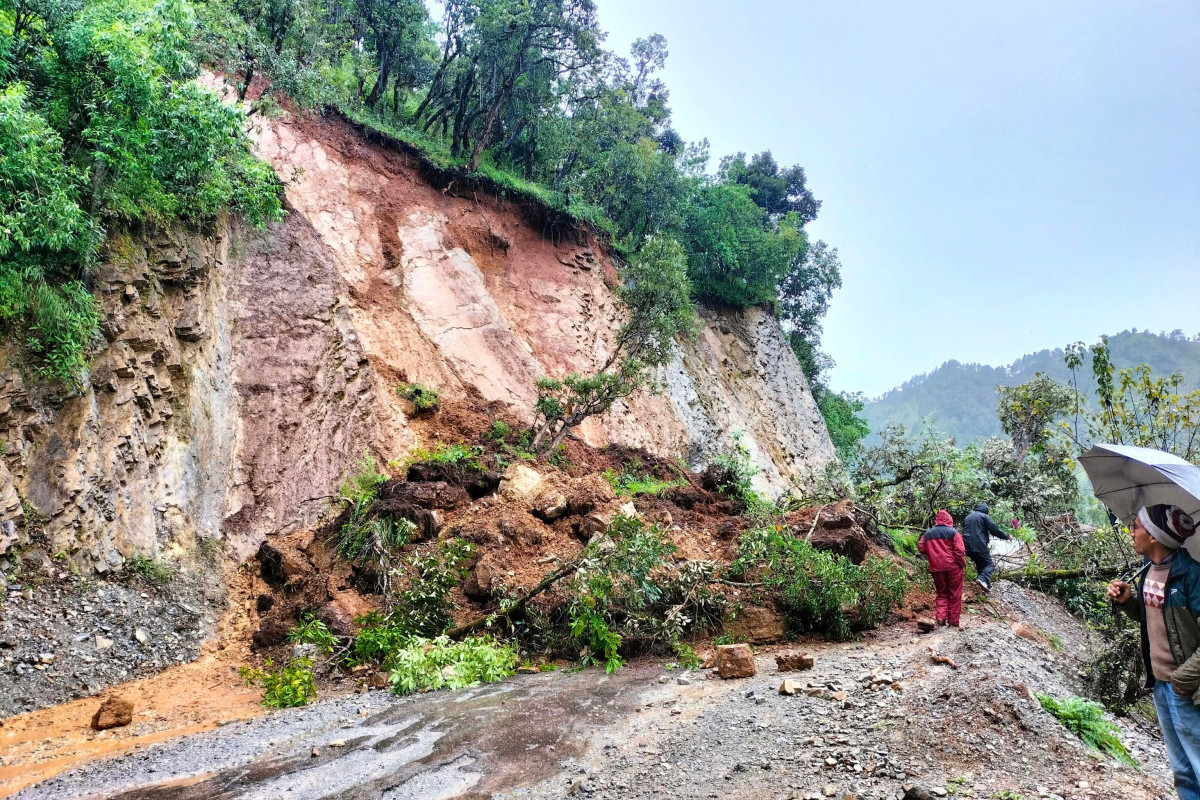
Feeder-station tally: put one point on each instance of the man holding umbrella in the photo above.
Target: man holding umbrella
(1164, 599)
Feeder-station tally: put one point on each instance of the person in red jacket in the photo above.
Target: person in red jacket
(943, 546)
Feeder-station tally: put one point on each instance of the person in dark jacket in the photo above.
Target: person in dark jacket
(943, 546)
(978, 528)
(1165, 600)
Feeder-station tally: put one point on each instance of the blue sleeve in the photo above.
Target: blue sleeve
(993, 528)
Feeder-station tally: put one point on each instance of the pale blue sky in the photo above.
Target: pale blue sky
(997, 177)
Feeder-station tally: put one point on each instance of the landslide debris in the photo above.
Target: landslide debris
(523, 526)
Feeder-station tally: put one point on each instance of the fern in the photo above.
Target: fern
(1086, 720)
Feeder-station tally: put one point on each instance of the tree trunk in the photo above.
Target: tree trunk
(493, 113)
(1021, 576)
(385, 69)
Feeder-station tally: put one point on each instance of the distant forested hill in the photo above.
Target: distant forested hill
(961, 398)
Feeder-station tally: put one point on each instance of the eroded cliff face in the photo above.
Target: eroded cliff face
(463, 293)
(243, 373)
(137, 462)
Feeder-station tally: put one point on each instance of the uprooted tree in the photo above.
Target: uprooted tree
(656, 291)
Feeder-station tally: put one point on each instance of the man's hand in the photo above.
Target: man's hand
(1119, 592)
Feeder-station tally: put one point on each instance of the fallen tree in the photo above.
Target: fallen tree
(1029, 576)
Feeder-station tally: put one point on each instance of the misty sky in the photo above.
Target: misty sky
(997, 177)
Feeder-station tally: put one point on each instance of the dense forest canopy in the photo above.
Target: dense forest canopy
(102, 125)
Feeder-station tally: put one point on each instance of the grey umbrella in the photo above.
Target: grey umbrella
(1126, 478)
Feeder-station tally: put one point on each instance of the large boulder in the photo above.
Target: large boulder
(755, 625)
(480, 584)
(735, 661)
(549, 505)
(588, 494)
(115, 712)
(793, 660)
(520, 481)
(340, 613)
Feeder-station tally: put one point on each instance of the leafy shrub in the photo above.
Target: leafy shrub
(511, 444)
(362, 488)
(422, 663)
(423, 398)
(816, 590)
(424, 607)
(1024, 534)
(905, 541)
(313, 631)
(1086, 720)
(627, 590)
(285, 687)
(379, 636)
(627, 484)
(499, 431)
(365, 534)
(457, 455)
(734, 471)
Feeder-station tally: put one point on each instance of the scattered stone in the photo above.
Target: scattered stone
(925, 624)
(735, 661)
(115, 712)
(918, 793)
(142, 637)
(103, 643)
(528, 670)
(792, 660)
(791, 687)
(1025, 631)
(338, 743)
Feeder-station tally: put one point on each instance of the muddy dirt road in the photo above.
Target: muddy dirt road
(877, 716)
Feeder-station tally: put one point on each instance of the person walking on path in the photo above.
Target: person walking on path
(978, 528)
(943, 546)
(1165, 600)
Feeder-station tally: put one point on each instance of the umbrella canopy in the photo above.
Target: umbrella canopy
(1126, 478)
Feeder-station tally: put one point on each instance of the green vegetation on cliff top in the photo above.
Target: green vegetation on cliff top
(103, 126)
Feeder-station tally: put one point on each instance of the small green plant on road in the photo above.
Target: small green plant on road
(1086, 720)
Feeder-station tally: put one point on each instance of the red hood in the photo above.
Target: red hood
(944, 518)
